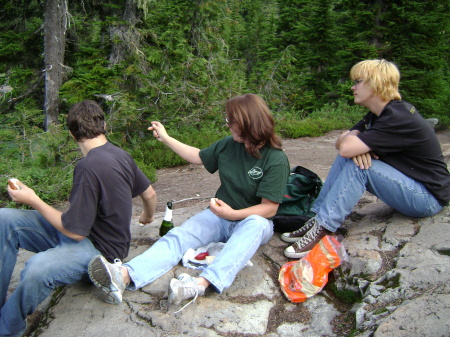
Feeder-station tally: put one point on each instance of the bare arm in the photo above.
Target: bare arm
(187, 152)
(350, 145)
(337, 144)
(266, 209)
(27, 196)
(149, 204)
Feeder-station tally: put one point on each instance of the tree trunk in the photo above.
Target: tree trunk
(124, 39)
(55, 22)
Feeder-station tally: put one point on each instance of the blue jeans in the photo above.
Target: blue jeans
(243, 238)
(59, 261)
(346, 183)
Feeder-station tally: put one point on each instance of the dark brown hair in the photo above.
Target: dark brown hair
(86, 120)
(254, 121)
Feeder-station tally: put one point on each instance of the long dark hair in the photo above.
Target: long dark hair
(255, 122)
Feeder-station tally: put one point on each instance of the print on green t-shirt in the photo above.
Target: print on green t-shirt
(246, 179)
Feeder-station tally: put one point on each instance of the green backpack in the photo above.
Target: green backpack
(302, 188)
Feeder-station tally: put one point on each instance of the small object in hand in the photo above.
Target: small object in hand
(214, 200)
(202, 256)
(12, 182)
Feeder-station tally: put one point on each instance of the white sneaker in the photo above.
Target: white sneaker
(183, 288)
(109, 277)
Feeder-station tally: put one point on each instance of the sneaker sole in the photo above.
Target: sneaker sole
(173, 299)
(101, 277)
(296, 255)
(289, 239)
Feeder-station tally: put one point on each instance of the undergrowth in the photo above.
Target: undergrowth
(45, 160)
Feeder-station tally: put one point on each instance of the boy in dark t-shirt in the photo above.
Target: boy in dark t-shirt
(392, 153)
(253, 170)
(96, 222)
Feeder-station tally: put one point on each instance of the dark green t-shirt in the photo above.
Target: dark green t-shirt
(246, 179)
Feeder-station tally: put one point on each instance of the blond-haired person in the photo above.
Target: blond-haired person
(392, 152)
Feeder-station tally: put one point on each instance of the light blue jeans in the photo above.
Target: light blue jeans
(346, 183)
(242, 238)
(59, 261)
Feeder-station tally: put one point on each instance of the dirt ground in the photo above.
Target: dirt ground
(191, 184)
(194, 183)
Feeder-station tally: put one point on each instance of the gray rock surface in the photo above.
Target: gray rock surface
(396, 276)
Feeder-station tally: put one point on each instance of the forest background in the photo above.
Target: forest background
(178, 61)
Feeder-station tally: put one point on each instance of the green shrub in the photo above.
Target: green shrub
(45, 160)
(330, 117)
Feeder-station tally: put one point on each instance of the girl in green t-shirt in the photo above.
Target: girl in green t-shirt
(253, 171)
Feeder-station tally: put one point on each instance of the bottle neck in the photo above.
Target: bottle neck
(168, 214)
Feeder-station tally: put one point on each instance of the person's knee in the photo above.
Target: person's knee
(17, 218)
(6, 214)
(260, 223)
(257, 220)
(172, 244)
(8, 222)
(36, 272)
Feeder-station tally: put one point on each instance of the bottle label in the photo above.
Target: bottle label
(168, 214)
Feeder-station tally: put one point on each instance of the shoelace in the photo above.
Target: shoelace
(308, 225)
(118, 263)
(195, 290)
(309, 237)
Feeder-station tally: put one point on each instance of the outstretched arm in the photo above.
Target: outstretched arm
(27, 196)
(187, 152)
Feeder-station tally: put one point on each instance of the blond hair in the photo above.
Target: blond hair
(382, 77)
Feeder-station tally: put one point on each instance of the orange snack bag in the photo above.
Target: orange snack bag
(304, 278)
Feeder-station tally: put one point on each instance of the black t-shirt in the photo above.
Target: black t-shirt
(104, 183)
(402, 138)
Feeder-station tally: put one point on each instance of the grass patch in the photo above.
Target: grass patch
(330, 117)
(346, 296)
(45, 160)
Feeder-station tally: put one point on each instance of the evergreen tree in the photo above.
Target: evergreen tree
(417, 33)
(412, 34)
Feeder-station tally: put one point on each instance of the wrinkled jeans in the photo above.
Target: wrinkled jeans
(242, 238)
(346, 183)
(59, 261)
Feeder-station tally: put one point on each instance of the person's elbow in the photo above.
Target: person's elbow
(272, 210)
(75, 237)
(271, 214)
(346, 151)
(149, 194)
(71, 235)
(352, 146)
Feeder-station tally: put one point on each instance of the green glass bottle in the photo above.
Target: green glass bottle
(167, 223)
